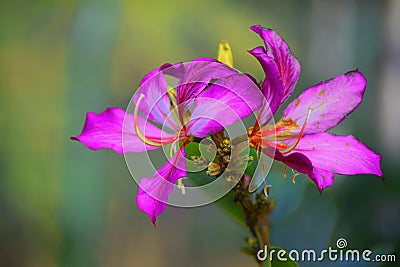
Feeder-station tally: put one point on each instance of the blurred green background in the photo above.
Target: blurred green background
(63, 205)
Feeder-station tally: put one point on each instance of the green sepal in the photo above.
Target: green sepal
(252, 165)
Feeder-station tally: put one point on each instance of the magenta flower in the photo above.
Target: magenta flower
(201, 104)
(299, 139)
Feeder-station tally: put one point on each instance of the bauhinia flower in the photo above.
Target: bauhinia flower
(202, 103)
(300, 139)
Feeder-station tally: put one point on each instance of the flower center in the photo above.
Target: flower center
(269, 134)
(299, 136)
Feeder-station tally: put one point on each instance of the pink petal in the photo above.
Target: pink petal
(198, 73)
(152, 197)
(330, 154)
(156, 104)
(223, 103)
(107, 130)
(296, 161)
(272, 86)
(193, 78)
(277, 50)
(330, 102)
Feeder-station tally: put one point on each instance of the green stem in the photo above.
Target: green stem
(256, 211)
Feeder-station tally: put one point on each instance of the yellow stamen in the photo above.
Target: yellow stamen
(172, 96)
(225, 53)
(181, 186)
(300, 135)
(294, 176)
(174, 148)
(266, 189)
(137, 128)
(284, 171)
(229, 178)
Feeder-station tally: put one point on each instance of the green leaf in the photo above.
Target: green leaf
(227, 202)
(267, 263)
(233, 209)
(276, 262)
(192, 149)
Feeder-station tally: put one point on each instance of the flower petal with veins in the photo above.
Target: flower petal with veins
(287, 65)
(329, 154)
(223, 103)
(107, 130)
(152, 197)
(330, 102)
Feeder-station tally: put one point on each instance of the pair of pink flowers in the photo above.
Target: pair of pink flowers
(299, 139)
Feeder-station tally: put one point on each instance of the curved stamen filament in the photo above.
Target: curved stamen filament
(266, 189)
(140, 134)
(181, 186)
(171, 92)
(294, 176)
(300, 135)
(284, 171)
(174, 148)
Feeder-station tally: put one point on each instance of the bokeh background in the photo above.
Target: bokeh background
(63, 205)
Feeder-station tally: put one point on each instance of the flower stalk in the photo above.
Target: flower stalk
(256, 208)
